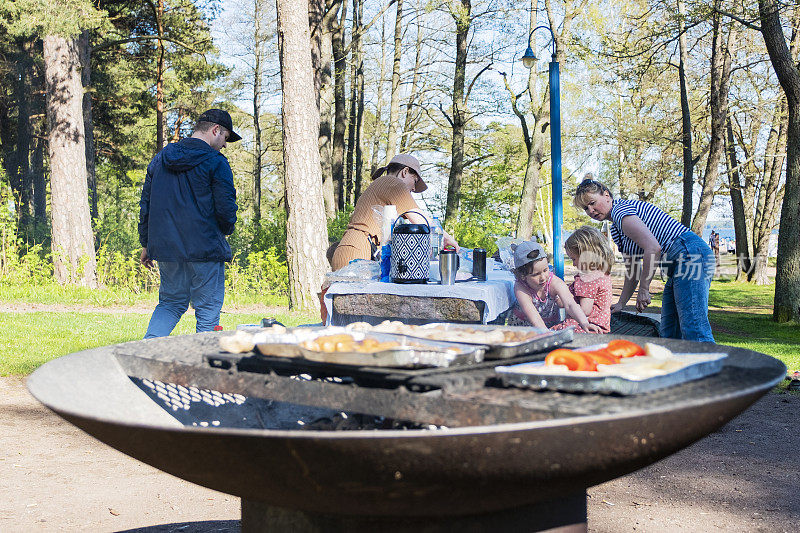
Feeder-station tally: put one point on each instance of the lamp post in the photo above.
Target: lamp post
(529, 60)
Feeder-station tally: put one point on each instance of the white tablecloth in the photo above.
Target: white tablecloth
(497, 292)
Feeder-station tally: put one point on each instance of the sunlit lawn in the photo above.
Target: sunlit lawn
(740, 316)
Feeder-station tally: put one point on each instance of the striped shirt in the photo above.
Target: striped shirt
(663, 227)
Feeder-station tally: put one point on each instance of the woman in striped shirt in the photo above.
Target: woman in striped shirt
(642, 230)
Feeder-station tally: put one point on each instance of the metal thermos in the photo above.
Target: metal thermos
(479, 264)
(448, 266)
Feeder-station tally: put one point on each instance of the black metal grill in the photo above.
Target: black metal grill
(518, 457)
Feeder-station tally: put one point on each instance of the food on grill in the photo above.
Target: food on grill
(239, 342)
(571, 359)
(449, 334)
(638, 362)
(623, 348)
(346, 343)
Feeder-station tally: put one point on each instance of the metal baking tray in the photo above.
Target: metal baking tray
(534, 376)
(543, 340)
(411, 353)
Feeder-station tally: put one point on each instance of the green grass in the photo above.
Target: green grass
(55, 294)
(741, 316)
(28, 340)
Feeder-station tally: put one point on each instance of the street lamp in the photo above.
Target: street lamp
(529, 60)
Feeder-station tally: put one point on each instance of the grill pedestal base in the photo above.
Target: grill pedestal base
(565, 515)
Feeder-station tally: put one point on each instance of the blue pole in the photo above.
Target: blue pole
(555, 148)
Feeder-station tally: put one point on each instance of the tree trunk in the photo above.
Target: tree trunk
(257, 147)
(394, 107)
(411, 114)
(767, 210)
(376, 143)
(22, 159)
(359, 61)
(85, 51)
(72, 240)
(39, 182)
(306, 230)
(320, 17)
(351, 119)
(739, 214)
(720, 84)
(787, 279)
(161, 139)
(462, 19)
(686, 120)
(339, 104)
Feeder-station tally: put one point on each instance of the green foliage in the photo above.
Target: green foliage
(338, 225)
(23, 18)
(262, 273)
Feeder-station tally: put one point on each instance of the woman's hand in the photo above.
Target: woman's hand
(642, 299)
(448, 240)
(617, 307)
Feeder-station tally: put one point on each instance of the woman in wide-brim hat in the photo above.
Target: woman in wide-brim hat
(644, 232)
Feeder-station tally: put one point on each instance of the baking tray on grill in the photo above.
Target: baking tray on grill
(534, 375)
(341, 347)
(500, 342)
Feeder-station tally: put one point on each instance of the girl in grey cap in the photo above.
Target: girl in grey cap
(538, 292)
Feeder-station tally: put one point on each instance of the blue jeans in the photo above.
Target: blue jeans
(684, 305)
(201, 283)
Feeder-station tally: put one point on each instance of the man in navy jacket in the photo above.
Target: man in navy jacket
(187, 208)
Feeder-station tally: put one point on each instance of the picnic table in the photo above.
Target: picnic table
(467, 301)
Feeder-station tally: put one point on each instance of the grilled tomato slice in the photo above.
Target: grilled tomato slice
(571, 359)
(623, 348)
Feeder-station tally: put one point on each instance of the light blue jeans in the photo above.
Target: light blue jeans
(684, 304)
(201, 283)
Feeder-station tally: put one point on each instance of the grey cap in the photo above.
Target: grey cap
(528, 251)
(411, 162)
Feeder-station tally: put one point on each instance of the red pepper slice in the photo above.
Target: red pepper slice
(623, 348)
(603, 357)
(571, 359)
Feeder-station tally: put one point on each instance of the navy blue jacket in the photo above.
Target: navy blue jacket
(188, 204)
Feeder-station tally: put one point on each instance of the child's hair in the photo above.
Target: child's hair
(527, 268)
(592, 248)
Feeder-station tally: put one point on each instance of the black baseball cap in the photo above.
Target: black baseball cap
(223, 118)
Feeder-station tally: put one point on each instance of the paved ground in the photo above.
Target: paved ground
(53, 477)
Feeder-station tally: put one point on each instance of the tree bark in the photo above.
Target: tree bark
(686, 120)
(257, 143)
(720, 85)
(351, 119)
(462, 19)
(787, 279)
(72, 240)
(359, 80)
(411, 114)
(161, 139)
(306, 230)
(394, 106)
(737, 202)
(376, 143)
(322, 15)
(22, 158)
(85, 51)
(768, 195)
(340, 106)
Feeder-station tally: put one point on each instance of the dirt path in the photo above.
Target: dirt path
(53, 477)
